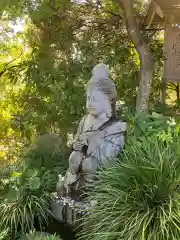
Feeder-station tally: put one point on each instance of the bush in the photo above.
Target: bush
(147, 124)
(139, 198)
(49, 157)
(26, 191)
(39, 236)
(21, 215)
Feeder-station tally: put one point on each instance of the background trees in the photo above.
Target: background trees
(48, 49)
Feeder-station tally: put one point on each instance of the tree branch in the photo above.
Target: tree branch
(9, 68)
(12, 61)
(171, 86)
(6, 68)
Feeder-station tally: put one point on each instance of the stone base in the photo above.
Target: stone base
(67, 210)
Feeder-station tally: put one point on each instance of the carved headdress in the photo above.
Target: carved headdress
(100, 79)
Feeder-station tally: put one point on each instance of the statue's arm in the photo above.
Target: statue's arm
(77, 142)
(79, 130)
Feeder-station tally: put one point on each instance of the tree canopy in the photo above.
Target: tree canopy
(48, 49)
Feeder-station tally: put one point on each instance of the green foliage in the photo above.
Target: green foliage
(44, 160)
(139, 198)
(4, 234)
(23, 202)
(20, 215)
(61, 42)
(43, 70)
(148, 125)
(39, 236)
(26, 191)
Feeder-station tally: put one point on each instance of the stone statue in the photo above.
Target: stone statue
(99, 137)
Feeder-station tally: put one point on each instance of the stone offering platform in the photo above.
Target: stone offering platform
(70, 211)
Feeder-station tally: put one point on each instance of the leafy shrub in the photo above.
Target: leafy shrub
(23, 204)
(49, 157)
(26, 191)
(21, 215)
(139, 198)
(39, 236)
(147, 125)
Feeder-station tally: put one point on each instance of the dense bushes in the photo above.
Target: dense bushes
(39, 236)
(139, 199)
(47, 156)
(26, 189)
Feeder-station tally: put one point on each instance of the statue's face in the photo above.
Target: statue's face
(97, 103)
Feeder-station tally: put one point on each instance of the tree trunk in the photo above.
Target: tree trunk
(145, 55)
(177, 91)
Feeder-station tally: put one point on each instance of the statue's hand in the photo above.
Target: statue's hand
(77, 146)
(80, 142)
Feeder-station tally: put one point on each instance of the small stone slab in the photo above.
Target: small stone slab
(70, 211)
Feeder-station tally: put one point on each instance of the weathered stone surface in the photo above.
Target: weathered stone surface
(67, 210)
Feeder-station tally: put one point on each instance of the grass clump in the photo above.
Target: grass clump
(21, 215)
(39, 236)
(139, 198)
(4, 234)
(25, 192)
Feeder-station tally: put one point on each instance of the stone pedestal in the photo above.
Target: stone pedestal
(69, 211)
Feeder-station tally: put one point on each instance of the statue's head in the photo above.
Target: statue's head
(99, 91)
(100, 71)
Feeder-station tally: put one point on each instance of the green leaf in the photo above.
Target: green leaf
(31, 173)
(16, 174)
(13, 195)
(35, 183)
